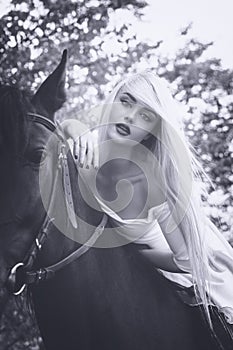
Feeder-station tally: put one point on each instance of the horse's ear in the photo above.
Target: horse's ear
(51, 94)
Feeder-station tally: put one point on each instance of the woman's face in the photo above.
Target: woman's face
(130, 120)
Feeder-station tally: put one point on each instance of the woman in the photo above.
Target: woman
(144, 175)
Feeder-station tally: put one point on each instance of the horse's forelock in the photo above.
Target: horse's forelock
(14, 105)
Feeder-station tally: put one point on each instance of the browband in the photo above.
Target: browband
(49, 124)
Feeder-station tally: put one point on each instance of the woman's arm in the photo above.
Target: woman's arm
(163, 260)
(175, 240)
(168, 250)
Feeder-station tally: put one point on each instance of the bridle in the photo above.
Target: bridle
(22, 273)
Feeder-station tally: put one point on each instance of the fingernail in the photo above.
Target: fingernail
(87, 166)
(96, 167)
(81, 165)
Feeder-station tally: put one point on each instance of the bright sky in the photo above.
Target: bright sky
(212, 21)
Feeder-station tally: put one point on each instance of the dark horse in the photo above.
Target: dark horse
(105, 299)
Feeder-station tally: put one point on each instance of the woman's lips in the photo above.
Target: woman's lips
(123, 129)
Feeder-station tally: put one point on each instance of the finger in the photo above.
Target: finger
(89, 156)
(95, 138)
(214, 266)
(224, 260)
(96, 156)
(76, 148)
(82, 150)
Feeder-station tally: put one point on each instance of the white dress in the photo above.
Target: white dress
(148, 231)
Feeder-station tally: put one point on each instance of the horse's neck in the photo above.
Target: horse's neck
(64, 238)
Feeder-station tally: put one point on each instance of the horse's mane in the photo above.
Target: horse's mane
(14, 105)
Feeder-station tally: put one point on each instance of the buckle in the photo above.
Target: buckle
(12, 280)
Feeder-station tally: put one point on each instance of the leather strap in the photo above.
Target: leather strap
(48, 272)
(67, 186)
(49, 124)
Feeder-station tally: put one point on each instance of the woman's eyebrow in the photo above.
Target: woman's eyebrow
(130, 96)
(134, 100)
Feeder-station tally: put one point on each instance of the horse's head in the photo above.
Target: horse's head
(22, 143)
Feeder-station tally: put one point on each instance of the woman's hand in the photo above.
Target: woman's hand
(85, 150)
(85, 143)
(219, 261)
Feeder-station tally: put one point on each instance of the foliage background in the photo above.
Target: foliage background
(102, 49)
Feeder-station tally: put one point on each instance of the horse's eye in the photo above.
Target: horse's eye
(37, 156)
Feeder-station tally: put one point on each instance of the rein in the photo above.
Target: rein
(22, 273)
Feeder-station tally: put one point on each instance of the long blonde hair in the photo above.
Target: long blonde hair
(183, 173)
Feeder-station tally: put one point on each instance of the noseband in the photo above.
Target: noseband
(22, 273)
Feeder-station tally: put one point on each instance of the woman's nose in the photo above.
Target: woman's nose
(128, 119)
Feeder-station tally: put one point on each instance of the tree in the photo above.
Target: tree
(34, 33)
(206, 89)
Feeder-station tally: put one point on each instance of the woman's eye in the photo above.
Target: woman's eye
(125, 102)
(145, 117)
